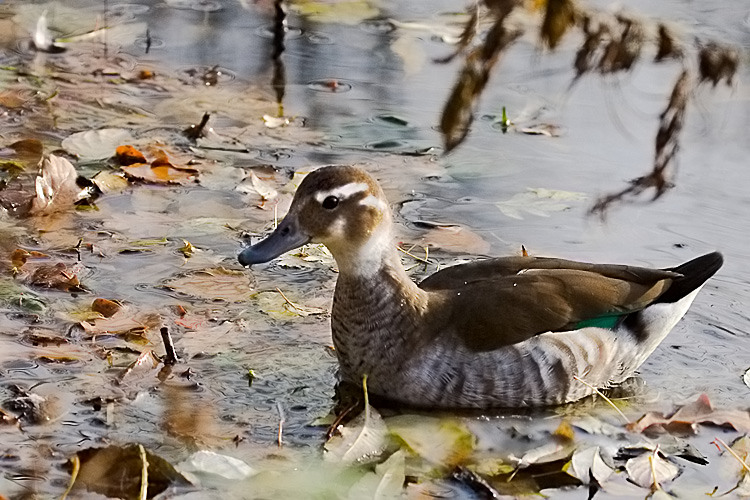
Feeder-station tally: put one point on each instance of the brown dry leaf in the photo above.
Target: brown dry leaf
(57, 276)
(128, 155)
(146, 366)
(122, 322)
(117, 471)
(28, 151)
(105, 307)
(213, 284)
(686, 419)
(277, 305)
(457, 239)
(19, 257)
(161, 171)
(108, 182)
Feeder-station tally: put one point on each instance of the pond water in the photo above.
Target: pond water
(359, 85)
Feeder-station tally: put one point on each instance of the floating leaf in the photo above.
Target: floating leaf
(128, 155)
(455, 238)
(275, 121)
(278, 306)
(57, 276)
(56, 187)
(123, 322)
(441, 442)
(342, 11)
(361, 440)
(587, 463)
(385, 483)
(686, 419)
(92, 145)
(649, 470)
(161, 171)
(206, 464)
(109, 182)
(106, 308)
(117, 471)
(539, 201)
(213, 284)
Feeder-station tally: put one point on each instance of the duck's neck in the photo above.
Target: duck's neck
(377, 314)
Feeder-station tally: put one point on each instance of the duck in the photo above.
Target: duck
(506, 332)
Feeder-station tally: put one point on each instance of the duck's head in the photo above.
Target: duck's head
(342, 207)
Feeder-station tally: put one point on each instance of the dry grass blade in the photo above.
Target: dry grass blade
(76, 463)
(143, 494)
(667, 145)
(744, 464)
(599, 393)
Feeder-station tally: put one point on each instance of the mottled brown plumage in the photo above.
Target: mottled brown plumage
(512, 331)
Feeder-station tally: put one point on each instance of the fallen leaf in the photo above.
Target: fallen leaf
(686, 419)
(128, 155)
(539, 201)
(205, 464)
(106, 308)
(92, 145)
(213, 284)
(363, 439)
(457, 239)
(57, 276)
(108, 182)
(123, 322)
(649, 470)
(161, 173)
(275, 121)
(55, 188)
(441, 442)
(387, 482)
(546, 129)
(588, 463)
(278, 306)
(117, 471)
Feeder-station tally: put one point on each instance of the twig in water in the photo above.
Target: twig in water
(598, 392)
(171, 356)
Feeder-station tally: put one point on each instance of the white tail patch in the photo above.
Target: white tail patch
(342, 192)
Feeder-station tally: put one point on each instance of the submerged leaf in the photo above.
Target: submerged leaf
(213, 284)
(385, 483)
(539, 201)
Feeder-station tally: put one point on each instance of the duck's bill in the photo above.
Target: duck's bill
(287, 236)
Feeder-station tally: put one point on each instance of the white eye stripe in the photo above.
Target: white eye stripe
(373, 201)
(342, 192)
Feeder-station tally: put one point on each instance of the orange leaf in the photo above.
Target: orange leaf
(128, 155)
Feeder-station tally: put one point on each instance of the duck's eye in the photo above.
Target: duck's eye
(330, 202)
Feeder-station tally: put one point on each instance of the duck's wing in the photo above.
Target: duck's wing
(491, 269)
(496, 304)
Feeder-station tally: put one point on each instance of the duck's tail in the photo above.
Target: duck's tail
(649, 326)
(694, 274)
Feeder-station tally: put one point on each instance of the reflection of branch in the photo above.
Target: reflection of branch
(667, 143)
(458, 113)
